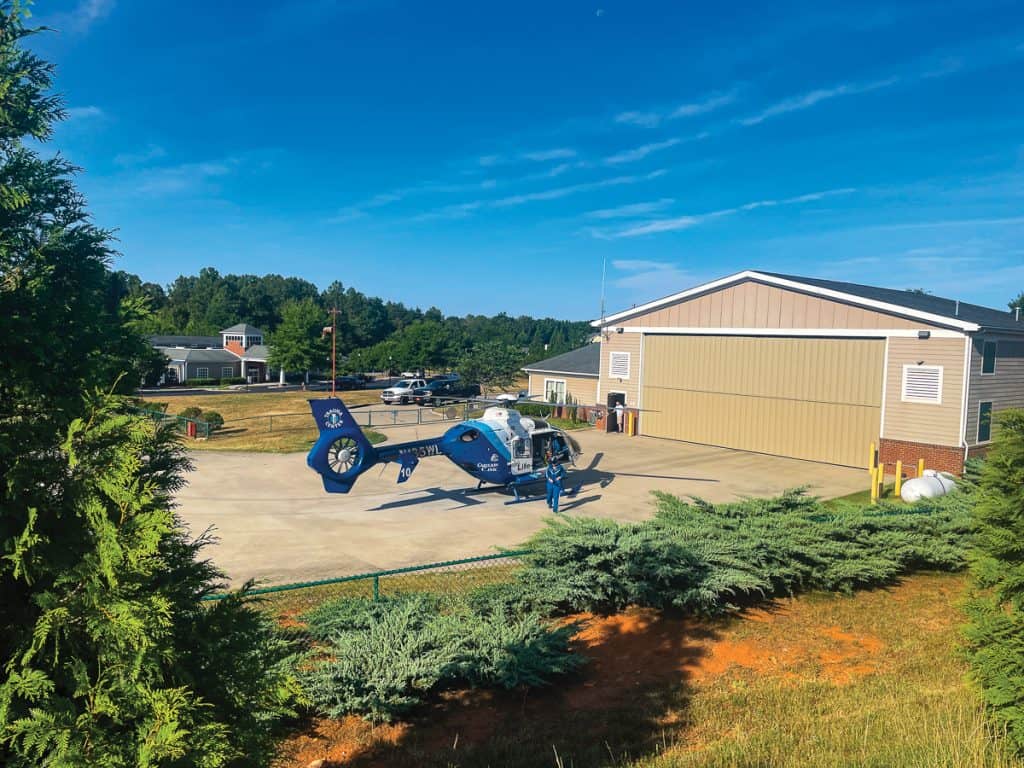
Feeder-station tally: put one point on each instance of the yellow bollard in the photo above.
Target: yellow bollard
(874, 484)
(871, 458)
(631, 424)
(899, 480)
(920, 467)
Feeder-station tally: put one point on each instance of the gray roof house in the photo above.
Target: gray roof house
(239, 352)
(573, 374)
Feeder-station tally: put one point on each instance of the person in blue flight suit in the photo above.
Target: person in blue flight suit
(554, 475)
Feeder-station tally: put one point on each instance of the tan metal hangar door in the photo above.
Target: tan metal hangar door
(808, 398)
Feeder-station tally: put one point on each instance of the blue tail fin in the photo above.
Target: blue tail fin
(342, 452)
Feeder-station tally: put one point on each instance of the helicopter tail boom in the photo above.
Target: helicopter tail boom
(342, 452)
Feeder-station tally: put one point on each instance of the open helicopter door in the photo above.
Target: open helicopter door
(522, 455)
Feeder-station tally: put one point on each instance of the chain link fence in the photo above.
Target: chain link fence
(184, 424)
(451, 579)
(408, 416)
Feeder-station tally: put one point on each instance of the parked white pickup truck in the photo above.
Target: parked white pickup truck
(401, 392)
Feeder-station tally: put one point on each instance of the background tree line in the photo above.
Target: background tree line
(373, 334)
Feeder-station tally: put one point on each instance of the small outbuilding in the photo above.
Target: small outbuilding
(572, 374)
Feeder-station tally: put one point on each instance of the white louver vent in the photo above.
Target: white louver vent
(922, 384)
(618, 365)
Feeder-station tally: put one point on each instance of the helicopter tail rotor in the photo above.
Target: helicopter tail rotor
(342, 452)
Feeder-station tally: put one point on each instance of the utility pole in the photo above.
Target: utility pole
(334, 350)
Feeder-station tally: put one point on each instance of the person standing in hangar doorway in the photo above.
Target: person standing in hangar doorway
(554, 475)
(620, 417)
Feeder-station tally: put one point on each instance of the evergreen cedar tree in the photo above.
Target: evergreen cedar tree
(995, 634)
(109, 658)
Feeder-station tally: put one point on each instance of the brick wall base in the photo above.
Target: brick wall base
(945, 458)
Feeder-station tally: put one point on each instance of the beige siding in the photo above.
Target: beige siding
(817, 399)
(925, 422)
(1004, 388)
(621, 342)
(751, 304)
(583, 389)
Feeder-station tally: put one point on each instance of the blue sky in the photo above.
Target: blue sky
(488, 157)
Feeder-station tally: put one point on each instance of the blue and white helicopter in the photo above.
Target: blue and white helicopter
(501, 448)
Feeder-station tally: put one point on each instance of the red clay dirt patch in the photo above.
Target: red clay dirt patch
(642, 667)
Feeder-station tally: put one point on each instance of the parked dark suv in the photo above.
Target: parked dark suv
(443, 389)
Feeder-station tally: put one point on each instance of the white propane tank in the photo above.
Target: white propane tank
(928, 486)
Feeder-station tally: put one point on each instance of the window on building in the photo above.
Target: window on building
(202, 373)
(618, 365)
(227, 372)
(554, 390)
(922, 384)
(988, 357)
(984, 422)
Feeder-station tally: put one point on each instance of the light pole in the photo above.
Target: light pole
(334, 349)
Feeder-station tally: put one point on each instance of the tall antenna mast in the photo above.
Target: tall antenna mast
(604, 267)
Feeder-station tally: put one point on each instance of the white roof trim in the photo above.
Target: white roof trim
(867, 333)
(750, 274)
(560, 373)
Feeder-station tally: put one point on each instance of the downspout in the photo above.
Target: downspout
(968, 341)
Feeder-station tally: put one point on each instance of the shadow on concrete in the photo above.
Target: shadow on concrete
(593, 475)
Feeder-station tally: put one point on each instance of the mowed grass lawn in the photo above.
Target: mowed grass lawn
(872, 679)
(278, 422)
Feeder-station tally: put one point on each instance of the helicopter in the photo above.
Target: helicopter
(501, 448)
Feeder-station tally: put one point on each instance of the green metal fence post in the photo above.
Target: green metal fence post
(376, 588)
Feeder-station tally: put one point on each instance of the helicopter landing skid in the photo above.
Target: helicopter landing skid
(523, 498)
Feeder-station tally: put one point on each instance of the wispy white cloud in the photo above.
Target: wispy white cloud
(648, 276)
(708, 104)
(977, 54)
(462, 210)
(653, 118)
(182, 178)
(809, 99)
(631, 210)
(84, 113)
(346, 215)
(559, 192)
(540, 156)
(642, 119)
(685, 222)
(79, 19)
(489, 160)
(639, 153)
(143, 156)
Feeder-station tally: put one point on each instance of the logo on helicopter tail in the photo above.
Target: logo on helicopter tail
(334, 419)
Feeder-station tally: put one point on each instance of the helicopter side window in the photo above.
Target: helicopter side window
(469, 436)
(521, 448)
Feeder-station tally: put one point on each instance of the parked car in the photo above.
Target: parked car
(341, 383)
(434, 389)
(350, 382)
(441, 389)
(401, 391)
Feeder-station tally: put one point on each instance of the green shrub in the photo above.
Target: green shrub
(584, 564)
(381, 659)
(214, 419)
(705, 558)
(192, 412)
(995, 634)
(534, 409)
(233, 380)
(202, 382)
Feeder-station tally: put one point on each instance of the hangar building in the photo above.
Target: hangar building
(814, 369)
